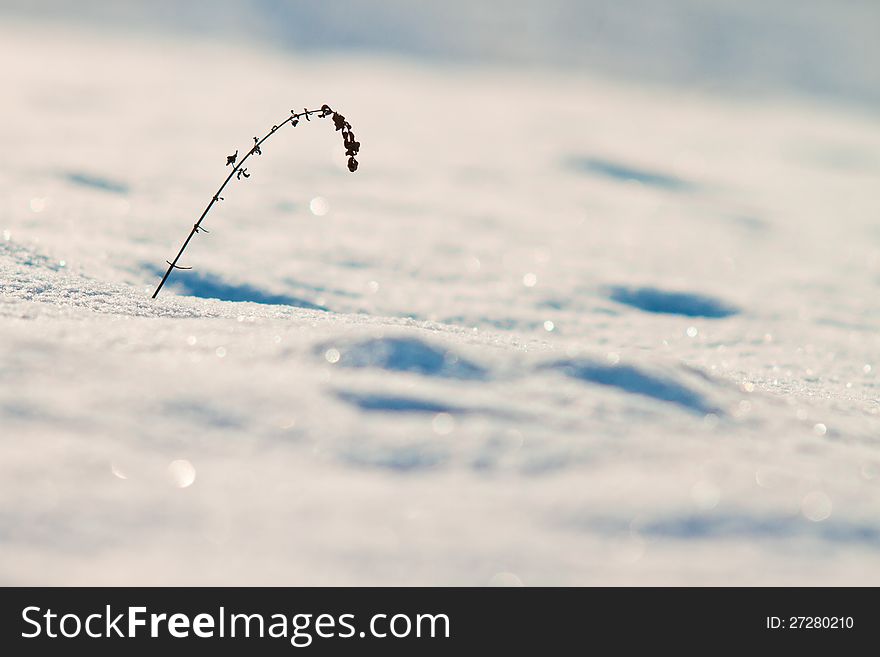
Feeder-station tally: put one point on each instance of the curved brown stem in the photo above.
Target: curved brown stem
(293, 119)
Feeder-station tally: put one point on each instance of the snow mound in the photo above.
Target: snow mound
(651, 363)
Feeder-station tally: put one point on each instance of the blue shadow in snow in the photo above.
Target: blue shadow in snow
(395, 404)
(400, 458)
(632, 380)
(739, 526)
(203, 414)
(207, 286)
(622, 172)
(688, 304)
(408, 355)
(96, 182)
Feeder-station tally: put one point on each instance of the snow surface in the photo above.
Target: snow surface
(556, 329)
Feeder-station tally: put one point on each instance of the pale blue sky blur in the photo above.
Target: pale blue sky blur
(822, 48)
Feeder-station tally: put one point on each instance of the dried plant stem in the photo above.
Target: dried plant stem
(238, 170)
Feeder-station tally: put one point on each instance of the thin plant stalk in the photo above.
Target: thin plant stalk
(238, 170)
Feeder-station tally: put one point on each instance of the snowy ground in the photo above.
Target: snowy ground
(555, 330)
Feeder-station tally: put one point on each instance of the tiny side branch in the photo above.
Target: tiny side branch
(352, 147)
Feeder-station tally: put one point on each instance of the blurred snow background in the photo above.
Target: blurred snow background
(820, 47)
(598, 307)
